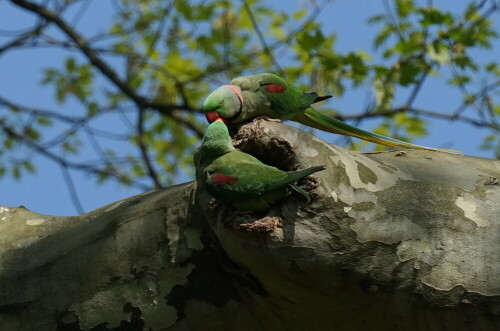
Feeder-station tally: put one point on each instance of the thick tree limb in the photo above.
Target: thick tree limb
(391, 240)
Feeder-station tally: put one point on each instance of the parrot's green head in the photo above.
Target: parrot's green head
(216, 142)
(224, 103)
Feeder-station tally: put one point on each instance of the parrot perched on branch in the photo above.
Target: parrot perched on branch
(240, 179)
(268, 95)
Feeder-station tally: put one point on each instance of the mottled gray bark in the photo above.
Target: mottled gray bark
(390, 241)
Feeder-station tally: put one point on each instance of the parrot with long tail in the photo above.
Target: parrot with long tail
(269, 95)
(238, 178)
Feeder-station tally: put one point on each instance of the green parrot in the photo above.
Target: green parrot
(240, 179)
(269, 95)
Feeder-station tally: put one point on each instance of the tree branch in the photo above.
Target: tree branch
(61, 161)
(266, 48)
(429, 113)
(71, 189)
(92, 56)
(41, 112)
(84, 47)
(144, 152)
(24, 37)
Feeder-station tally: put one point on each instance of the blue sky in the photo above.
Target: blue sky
(46, 192)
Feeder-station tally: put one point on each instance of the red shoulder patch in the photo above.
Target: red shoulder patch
(221, 179)
(275, 88)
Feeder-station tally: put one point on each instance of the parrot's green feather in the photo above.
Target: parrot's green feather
(239, 178)
(269, 95)
(312, 117)
(308, 99)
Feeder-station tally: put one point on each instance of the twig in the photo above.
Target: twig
(92, 56)
(71, 189)
(429, 113)
(41, 112)
(84, 47)
(418, 85)
(143, 150)
(266, 48)
(61, 161)
(19, 41)
(388, 9)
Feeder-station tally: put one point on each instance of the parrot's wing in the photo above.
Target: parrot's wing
(318, 120)
(284, 97)
(245, 177)
(309, 98)
(253, 82)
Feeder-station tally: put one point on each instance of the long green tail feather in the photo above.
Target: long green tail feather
(297, 174)
(292, 176)
(318, 120)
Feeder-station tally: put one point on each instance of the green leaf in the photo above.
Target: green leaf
(469, 99)
(16, 172)
(438, 52)
(493, 68)
(411, 45)
(459, 80)
(404, 8)
(384, 92)
(299, 14)
(382, 37)
(432, 16)
(28, 166)
(32, 133)
(93, 109)
(44, 120)
(464, 62)
(376, 18)
(310, 40)
(408, 73)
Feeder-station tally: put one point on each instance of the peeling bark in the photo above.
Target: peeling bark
(392, 241)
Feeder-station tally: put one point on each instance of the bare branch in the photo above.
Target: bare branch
(394, 22)
(83, 45)
(156, 37)
(73, 165)
(41, 112)
(187, 123)
(144, 152)
(71, 189)
(418, 85)
(419, 111)
(266, 48)
(24, 37)
(92, 56)
(80, 13)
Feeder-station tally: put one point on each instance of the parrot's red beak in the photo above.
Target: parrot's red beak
(213, 116)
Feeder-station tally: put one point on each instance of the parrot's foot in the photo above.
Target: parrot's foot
(266, 118)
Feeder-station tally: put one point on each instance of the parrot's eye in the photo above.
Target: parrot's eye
(221, 103)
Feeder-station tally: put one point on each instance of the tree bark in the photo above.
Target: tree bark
(390, 241)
